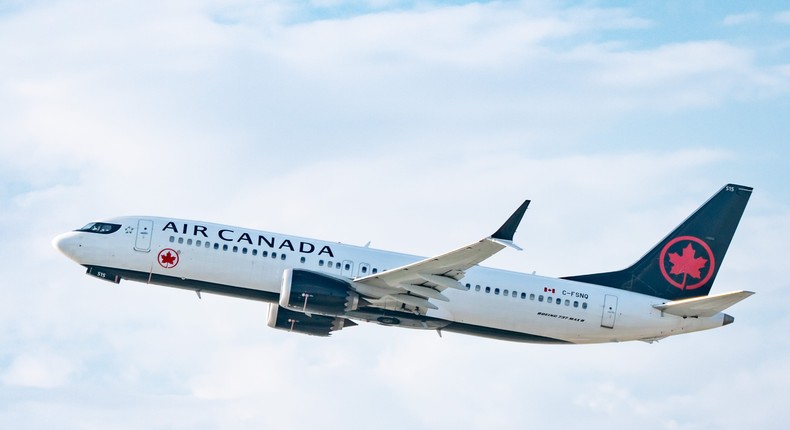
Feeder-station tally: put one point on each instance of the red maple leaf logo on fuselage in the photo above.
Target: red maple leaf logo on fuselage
(168, 258)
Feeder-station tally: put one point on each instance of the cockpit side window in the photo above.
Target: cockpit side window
(101, 228)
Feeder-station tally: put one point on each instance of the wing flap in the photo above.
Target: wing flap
(424, 292)
(706, 306)
(413, 301)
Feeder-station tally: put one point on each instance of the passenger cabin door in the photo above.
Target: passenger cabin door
(609, 311)
(145, 229)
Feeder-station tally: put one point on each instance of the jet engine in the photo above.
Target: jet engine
(316, 293)
(314, 325)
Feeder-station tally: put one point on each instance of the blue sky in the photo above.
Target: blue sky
(418, 126)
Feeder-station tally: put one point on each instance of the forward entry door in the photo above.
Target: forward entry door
(145, 228)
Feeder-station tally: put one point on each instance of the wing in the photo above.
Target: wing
(413, 285)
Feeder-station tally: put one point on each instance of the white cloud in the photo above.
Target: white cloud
(782, 17)
(39, 370)
(675, 76)
(741, 18)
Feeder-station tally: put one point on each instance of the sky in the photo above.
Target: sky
(418, 126)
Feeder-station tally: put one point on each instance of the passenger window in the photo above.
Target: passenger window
(265, 254)
(198, 244)
(477, 288)
(302, 260)
(488, 289)
(254, 252)
(216, 246)
(321, 263)
(505, 293)
(364, 269)
(514, 294)
(375, 270)
(575, 304)
(235, 249)
(549, 299)
(337, 265)
(532, 296)
(172, 239)
(225, 247)
(523, 295)
(496, 291)
(282, 256)
(274, 255)
(468, 286)
(567, 302)
(559, 301)
(243, 250)
(189, 241)
(347, 266)
(540, 298)
(584, 305)
(180, 240)
(207, 245)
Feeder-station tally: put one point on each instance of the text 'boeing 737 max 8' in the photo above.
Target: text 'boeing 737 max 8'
(317, 287)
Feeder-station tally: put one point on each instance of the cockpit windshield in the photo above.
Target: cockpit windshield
(100, 227)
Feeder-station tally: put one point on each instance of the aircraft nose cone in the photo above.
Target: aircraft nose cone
(67, 243)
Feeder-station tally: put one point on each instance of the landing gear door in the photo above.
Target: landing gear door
(142, 242)
(609, 311)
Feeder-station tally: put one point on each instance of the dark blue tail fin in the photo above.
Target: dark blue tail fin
(685, 263)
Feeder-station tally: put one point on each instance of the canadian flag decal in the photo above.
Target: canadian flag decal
(548, 290)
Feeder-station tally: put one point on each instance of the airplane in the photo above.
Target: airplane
(316, 287)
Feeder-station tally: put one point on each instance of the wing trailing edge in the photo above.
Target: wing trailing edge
(416, 283)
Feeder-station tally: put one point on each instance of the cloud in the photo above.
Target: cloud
(782, 17)
(153, 80)
(740, 19)
(672, 76)
(38, 370)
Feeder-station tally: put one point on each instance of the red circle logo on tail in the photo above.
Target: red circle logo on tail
(168, 258)
(687, 262)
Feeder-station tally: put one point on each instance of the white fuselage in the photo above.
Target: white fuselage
(250, 264)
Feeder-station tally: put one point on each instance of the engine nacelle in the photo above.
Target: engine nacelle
(315, 293)
(314, 325)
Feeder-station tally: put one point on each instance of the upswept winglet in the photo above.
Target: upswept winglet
(505, 233)
(414, 284)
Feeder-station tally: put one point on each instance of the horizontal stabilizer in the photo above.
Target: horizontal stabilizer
(705, 306)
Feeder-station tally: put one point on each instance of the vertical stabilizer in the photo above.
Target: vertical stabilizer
(686, 262)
